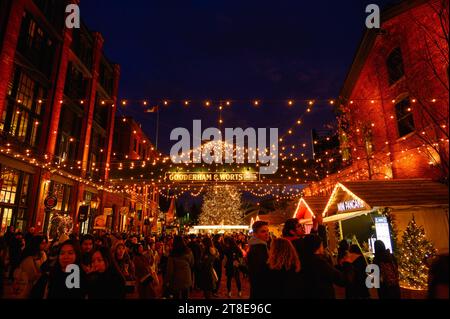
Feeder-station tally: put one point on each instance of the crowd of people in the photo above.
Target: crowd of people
(119, 266)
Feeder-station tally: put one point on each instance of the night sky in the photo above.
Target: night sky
(238, 50)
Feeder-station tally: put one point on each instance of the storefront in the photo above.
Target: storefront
(360, 209)
(17, 192)
(308, 208)
(88, 211)
(14, 192)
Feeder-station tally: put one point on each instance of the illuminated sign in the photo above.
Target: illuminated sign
(350, 205)
(212, 177)
(383, 232)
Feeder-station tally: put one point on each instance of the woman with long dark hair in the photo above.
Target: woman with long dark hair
(106, 281)
(53, 285)
(178, 278)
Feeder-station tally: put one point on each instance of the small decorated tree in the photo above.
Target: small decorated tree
(414, 252)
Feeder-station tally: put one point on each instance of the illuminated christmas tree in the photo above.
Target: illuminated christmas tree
(414, 251)
(221, 206)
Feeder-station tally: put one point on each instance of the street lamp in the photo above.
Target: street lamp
(94, 203)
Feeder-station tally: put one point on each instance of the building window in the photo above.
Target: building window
(10, 184)
(25, 92)
(13, 198)
(63, 193)
(36, 45)
(405, 120)
(395, 66)
(24, 109)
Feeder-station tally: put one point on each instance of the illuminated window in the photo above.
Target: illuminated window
(9, 188)
(13, 198)
(25, 91)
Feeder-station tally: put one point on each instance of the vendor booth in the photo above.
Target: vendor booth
(360, 209)
(308, 208)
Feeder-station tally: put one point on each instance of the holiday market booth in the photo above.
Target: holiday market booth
(370, 210)
(308, 208)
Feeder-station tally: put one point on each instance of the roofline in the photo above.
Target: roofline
(368, 41)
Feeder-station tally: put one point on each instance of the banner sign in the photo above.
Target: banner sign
(212, 177)
(350, 205)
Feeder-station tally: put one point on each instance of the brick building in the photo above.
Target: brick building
(58, 94)
(130, 142)
(133, 147)
(395, 100)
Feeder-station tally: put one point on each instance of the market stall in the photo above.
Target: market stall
(362, 208)
(308, 208)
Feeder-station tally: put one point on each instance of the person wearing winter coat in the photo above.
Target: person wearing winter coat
(233, 258)
(284, 278)
(389, 274)
(320, 276)
(52, 285)
(292, 229)
(123, 261)
(356, 288)
(196, 249)
(106, 281)
(145, 276)
(218, 263)
(257, 259)
(208, 278)
(87, 246)
(29, 270)
(178, 277)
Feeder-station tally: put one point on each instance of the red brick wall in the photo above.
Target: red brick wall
(373, 97)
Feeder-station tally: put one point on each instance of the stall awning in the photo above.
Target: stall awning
(358, 196)
(344, 216)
